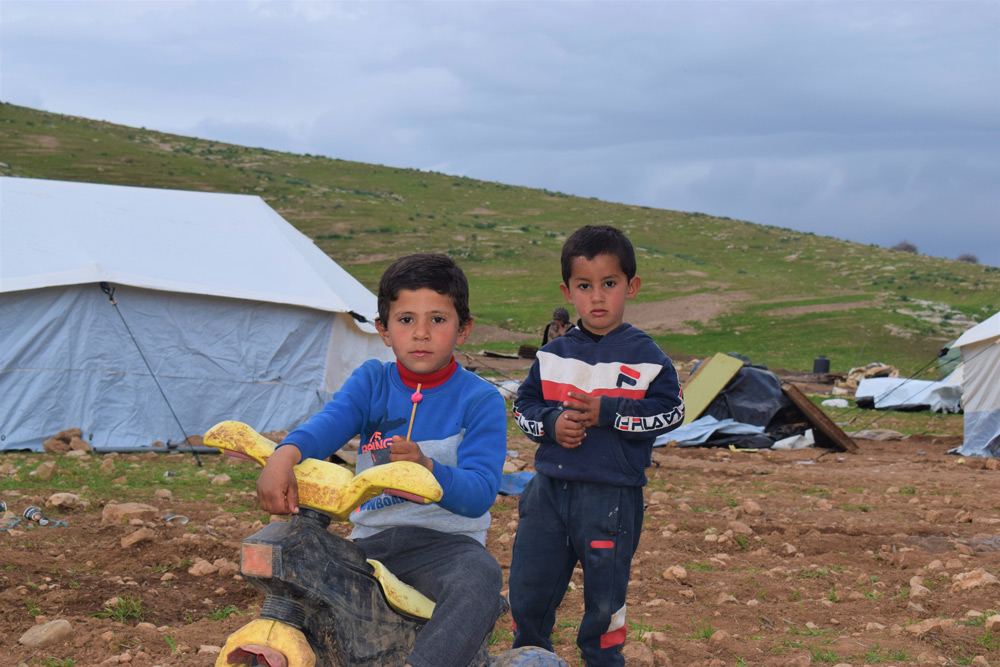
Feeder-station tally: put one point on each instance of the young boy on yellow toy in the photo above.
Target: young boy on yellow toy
(459, 434)
(594, 401)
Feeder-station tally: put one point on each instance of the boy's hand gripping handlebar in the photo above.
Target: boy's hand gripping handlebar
(326, 486)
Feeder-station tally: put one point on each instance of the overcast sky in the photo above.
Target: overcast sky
(871, 121)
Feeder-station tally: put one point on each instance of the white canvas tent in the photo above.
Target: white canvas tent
(980, 348)
(237, 314)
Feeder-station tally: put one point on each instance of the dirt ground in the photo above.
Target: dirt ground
(887, 556)
(766, 558)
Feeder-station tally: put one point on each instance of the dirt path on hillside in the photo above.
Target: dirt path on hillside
(779, 557)
(676, 315)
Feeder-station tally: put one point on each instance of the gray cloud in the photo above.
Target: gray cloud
(871, 121)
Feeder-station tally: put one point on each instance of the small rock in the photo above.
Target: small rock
(119, 513)
(221, 479)
(739, 528)
(993, 624)
(751, 508)
(659, 498)
(201, 568)
(919, 630)
(209, 649)
(719, 637)
(63, 500)
(872, 626)
(978, 578)
(637, 654)
(675, 573)
(45, 470)
(138, 537)
(226, 566)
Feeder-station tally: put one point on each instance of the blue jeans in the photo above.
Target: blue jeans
(455, 571)
(562, 523)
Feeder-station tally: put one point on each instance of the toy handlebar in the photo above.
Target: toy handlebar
(326, 486)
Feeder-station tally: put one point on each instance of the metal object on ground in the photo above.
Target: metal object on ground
(35, 514)
(177, 519)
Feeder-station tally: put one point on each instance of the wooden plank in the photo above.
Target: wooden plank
(827, 434)
(706, 382)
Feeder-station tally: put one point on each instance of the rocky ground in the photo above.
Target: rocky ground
(887, 556)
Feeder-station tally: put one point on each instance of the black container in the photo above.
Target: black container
(821, 365)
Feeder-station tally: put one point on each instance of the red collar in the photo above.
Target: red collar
(428, 380)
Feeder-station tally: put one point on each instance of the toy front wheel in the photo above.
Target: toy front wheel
(266, 643)
(527, 656)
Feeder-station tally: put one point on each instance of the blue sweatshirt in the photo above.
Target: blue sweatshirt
(640, 399)
(460, 424)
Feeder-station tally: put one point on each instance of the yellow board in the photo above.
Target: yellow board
(707, 381)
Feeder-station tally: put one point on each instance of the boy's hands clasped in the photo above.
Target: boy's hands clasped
(582, 412)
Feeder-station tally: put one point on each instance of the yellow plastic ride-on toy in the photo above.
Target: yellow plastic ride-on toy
(325, 604)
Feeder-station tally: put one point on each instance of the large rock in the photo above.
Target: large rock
(80, 445)
(55, 446)
(68, 434)
(48, 633)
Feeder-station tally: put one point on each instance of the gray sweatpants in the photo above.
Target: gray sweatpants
(455, 571)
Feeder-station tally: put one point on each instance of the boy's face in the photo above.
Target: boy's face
(598, 289)
(423, 330)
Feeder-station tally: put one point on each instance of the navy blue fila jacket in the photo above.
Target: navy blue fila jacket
(640, 399)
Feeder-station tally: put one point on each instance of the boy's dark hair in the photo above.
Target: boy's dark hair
(593, 240)
(413, 272)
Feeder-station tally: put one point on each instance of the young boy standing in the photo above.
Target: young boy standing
(438, 548)
(594, 401)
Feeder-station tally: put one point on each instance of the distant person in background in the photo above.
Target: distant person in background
(558, 326)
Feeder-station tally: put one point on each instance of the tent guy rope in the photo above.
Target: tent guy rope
(110, 291)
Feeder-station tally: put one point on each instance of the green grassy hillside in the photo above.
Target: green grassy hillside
(775, 295)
